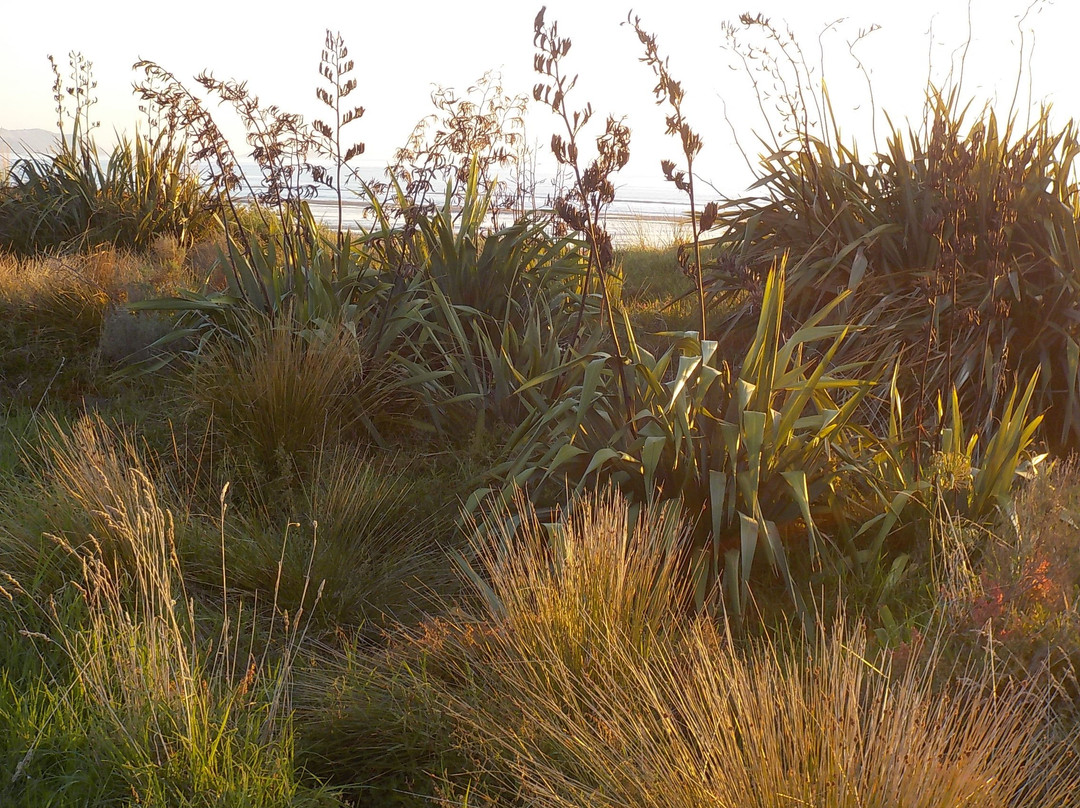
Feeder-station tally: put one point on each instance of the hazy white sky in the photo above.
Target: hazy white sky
(403, 48)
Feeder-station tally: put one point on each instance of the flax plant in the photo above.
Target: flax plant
(282, 146)
(336, 68)
(958, 240)
(755, 452)
(81, 92)
(75, 199)
(670, 91)
(582, 208)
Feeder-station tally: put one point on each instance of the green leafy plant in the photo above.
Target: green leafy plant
(753, 451)
(319, 286)
(957, 243)
(499, 274)
(73, 200)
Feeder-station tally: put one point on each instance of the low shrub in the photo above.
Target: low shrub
(1014, 590)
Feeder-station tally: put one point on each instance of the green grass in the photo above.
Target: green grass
(170, 716)
(357, 530)
(652, 275)
(656, 294)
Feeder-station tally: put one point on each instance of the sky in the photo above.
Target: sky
(403, 49)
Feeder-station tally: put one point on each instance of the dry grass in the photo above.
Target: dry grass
(652, 272)
(655, 291)
(584, 682)
(64, 325)
(51, 315)
(605, 569)
(119, 275)
(689, 720)
(700, 724)
(278, 394)
(87, 470)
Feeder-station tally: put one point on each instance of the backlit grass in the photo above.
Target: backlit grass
(460, 514)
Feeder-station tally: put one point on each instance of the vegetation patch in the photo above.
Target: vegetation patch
(473, 505)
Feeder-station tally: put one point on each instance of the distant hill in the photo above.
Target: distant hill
(21, 141)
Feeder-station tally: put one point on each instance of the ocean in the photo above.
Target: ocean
(646, 211)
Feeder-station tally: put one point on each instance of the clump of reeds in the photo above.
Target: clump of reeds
(278, 393)
(362, 534)
(699, 723)
(690, 719)
(603, 567)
